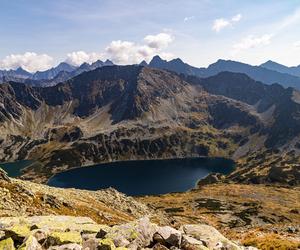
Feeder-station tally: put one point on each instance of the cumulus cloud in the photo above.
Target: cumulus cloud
(120, 52)
(222, 23)
(29, 61)
(77, 58)
(252, 42)
(158, 41)
(125, 52)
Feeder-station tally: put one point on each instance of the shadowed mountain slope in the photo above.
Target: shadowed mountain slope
(262, 74)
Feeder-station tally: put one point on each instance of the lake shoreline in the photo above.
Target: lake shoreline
(120, 163)
(207, 168)
(139, 160)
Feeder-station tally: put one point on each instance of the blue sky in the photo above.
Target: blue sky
(37, 34)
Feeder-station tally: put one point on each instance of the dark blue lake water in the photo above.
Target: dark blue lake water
(13, 169)
(143, 177)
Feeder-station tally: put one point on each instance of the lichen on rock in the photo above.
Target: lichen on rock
(71, 233)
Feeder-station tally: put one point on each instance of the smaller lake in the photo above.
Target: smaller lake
(143, 177)
(13, 169)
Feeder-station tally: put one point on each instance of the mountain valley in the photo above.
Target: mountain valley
(134, 112)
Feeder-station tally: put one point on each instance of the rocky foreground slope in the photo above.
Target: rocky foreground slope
(75, 233)
(248, 215)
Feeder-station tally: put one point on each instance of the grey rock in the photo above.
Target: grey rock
(31, 243)
(40, 234)
(211, 236)
(189, 243)
(121, 241)
(138, 233)
(170, 235)
(91, 244)
(71, 246)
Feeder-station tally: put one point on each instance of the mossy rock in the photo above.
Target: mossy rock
(30, 243)
(63, 223)
(7, 244)
(61, 238)
(107, 244)
(18, 232)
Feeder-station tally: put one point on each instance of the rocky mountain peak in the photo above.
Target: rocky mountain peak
(157, 60)
(143, 63)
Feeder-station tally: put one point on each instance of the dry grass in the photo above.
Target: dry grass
(237, 210)
(270, 241)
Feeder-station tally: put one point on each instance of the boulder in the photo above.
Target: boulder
(211, 179)
(137, 233)
(189, 243)
(170, 235)
(212, 238)
(106, 244)
(40, 234)
(17, 232)
(121, 241)
(62, 238)
(7, 244)
(101, 234)
(91, 244)
(30, 243)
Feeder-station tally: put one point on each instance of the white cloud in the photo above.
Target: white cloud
(29, 61)
(188, 18)
(79, 57)
(125, 52)
(222, 23)
(252, 42)
(158, 41)
(120, 52)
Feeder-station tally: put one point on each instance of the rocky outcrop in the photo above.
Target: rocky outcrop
(211, 179)
(66, 232)
(4, 176)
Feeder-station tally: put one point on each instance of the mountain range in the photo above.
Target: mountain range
(136, 112)
(259, 73)
(50, 77)
(268, 73)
